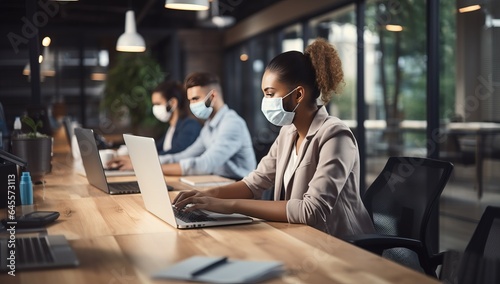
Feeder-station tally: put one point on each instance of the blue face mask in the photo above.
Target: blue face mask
(273, 110)
(200, 110)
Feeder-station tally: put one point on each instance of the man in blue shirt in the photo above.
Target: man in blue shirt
(224, 146)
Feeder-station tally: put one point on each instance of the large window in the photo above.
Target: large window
(395, 85)
(395, 72)
(293, 38)
(339, 28)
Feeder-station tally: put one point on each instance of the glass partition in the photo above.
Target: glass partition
(395, 81)
(339, 28)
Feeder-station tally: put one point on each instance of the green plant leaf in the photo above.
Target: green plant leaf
(31, 124)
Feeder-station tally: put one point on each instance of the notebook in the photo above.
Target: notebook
(93, 166)
(221, 270)
(144, 157)
(206, 181)
(36, 252)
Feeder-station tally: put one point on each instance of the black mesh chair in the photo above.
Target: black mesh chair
(480, 262)
(401, 201)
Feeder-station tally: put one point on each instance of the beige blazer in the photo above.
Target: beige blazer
(323, 192)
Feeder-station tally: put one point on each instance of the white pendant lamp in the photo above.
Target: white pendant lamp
(130, 41)
(221, 21)
(47, 68)
(192, 5)
(46, 61)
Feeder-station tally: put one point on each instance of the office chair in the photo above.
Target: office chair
(480, 262)
(400, 202)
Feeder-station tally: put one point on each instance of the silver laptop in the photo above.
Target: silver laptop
(93, 165)
(142, 151)
(36, 252)
(93, 153)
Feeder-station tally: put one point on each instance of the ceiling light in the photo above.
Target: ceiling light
(27, 70)
(469, 8)
(220, 21)
(191, 5)
(46, 41)
(244, 57)
(130, 41)
(223, 21)
(46, 65)
(97, 76)
(394, 28)
(212, 18)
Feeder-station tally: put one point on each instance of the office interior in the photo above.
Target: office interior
(411, 69)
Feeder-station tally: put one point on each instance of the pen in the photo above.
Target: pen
(209, 267)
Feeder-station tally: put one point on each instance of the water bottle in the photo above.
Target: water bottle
(17, 127)
(26, 189)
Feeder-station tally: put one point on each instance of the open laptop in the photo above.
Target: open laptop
(92, 153)
(36, 252)
(93, 165)
(144, 157)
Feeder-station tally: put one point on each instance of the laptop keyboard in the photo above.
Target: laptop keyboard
(30, 250)
(192, 216)
(124, 187)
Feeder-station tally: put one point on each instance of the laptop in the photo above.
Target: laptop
(144, 157)
(93, 153)
(36, 252)
(92, 164)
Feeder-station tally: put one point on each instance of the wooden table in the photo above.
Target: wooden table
(118, 241)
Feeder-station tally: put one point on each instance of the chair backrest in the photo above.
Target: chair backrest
(486, 238)
(480, 262)
(402, 198)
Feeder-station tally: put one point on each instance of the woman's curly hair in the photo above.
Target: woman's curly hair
(318, 68)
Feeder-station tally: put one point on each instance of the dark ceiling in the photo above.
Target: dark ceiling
(150, 14)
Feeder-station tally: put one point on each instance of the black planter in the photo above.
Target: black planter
(37, 152)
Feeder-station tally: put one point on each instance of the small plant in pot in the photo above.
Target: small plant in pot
(35, 148)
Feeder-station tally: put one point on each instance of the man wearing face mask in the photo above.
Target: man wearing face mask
(224, 146)
(170, 106)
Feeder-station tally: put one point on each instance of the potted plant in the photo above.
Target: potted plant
(35, 148)
(127, 93)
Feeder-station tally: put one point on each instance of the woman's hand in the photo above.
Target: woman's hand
(191, 200)
(122, 163)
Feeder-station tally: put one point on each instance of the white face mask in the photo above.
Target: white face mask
(161, 113)
(200, 110)
(273, 110)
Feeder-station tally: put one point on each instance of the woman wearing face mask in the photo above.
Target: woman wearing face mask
(170, 106)
(314, 162)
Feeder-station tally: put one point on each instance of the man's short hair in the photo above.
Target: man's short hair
(201, 79)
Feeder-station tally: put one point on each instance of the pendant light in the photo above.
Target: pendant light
(192, 5)
(213, 19)
(130, 41)
(47, 68)
(46, 62)
(221, 21)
